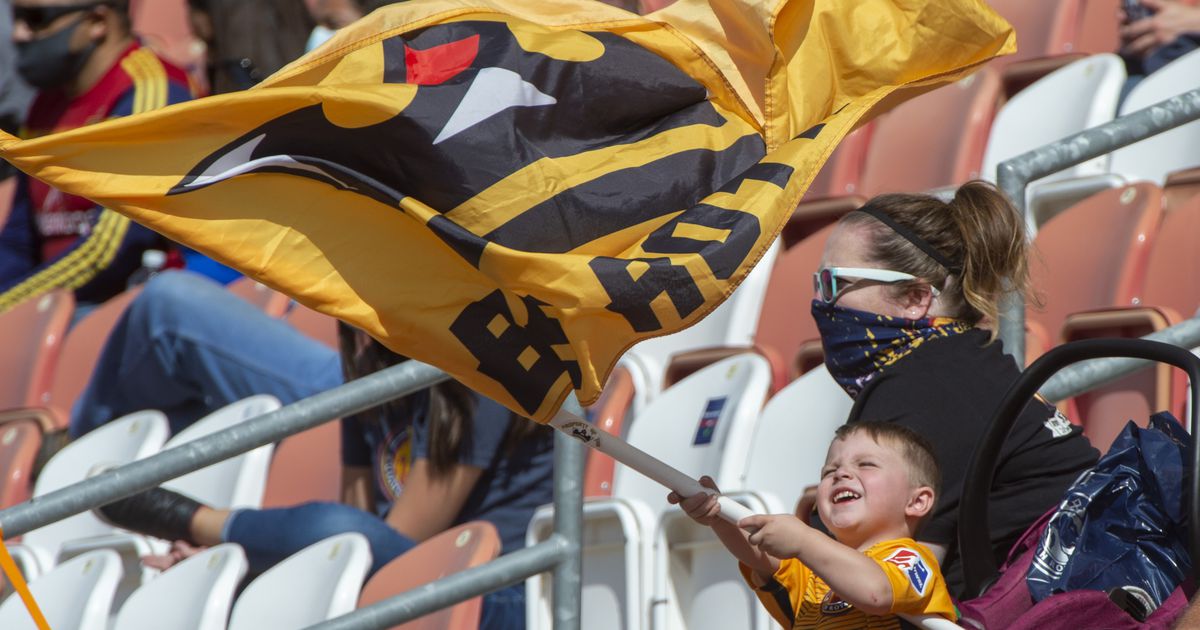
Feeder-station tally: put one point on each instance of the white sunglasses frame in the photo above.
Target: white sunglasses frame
(862, 273)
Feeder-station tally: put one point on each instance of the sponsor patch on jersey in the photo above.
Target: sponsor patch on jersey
(914, 568)
(832, 604)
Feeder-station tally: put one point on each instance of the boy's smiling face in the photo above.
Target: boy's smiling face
(865, 495)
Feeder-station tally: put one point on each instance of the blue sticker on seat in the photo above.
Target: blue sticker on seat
(708, 421)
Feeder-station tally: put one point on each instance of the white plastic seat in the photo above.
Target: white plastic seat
(195, 594)
(319, 582)
(237, 482)
(119, 442)
(733, 323)
(698, 581)
(1153, 158)
(1075, 97)
(75, 595)
(701, 426)
(234, 483)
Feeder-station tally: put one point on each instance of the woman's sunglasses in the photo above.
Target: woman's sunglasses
(38, 18)
(830, 282)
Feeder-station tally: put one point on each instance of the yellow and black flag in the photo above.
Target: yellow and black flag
(518, 190)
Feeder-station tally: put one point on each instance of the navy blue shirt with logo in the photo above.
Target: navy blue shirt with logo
(511, 487)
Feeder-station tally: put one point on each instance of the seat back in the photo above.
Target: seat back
(841, 172)
(76, 595)
(314, 325)
(785, 323)
(701, 426)
(1075, 97)
(1153, 158)
(19, 444)
(1093, 254)
(307, 466)
(951, 151)
(235, 482)
(609, 415)
(468, 545)
(1043, 29)
(319, 582)
(1173, 268)
(195, 594)
(81, 351)
(795, 429)
(119, 442)
(31, 337)
(1097, 27)
(268, 300)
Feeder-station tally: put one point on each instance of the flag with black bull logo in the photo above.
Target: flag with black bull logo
(517, 191)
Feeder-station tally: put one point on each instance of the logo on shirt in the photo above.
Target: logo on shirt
(395, 459)
(914, 568)
(832, 604)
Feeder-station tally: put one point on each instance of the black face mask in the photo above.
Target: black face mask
(48, 63)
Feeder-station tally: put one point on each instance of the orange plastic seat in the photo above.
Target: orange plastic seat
(268, 300)
(1094, 254)
(314, 325)
(31, 336)
(468, 545)
(1096, 26)
(19, 444)
(1171, 293)
(306, 466)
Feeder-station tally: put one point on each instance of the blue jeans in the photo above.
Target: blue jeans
(269, 536)
(187, 347)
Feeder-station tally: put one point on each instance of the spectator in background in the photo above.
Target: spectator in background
(14, 93)
(87, 67)
(1155, 33)
(248, 41)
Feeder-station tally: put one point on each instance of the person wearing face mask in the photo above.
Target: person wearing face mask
(87, 67)
(907, 297)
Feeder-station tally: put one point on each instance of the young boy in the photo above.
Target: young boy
(878, 483)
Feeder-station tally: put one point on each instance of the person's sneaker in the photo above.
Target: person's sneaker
(156, 512)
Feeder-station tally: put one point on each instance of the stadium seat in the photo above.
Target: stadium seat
(1171, 294)
(307, 466)
(700, 426)
(457, 549)
(1051, 34)
(76, 595)
(195, 594)
(319, 582)
(1152, 159)
(698, 585)
(31, 338)
(1075, 97)
(951, 151)
(270, 301)
(1181, 187)
(834, 191)
(119, 442)
(608, 414)
(19, 444)
(1093, 255)
(1097, 27)
(314, 325)
(80, 352)
(238, 481)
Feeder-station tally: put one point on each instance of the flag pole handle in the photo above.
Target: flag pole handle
(643, 462)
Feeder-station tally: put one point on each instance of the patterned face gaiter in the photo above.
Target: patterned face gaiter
(858, 344)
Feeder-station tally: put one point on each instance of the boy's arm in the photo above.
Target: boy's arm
(704, 509)
(853, 576)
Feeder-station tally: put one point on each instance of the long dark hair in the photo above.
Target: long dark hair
(451, 404)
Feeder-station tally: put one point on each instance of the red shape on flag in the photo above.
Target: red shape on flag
(441, 63)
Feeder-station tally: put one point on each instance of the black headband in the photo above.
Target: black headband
(912, 237)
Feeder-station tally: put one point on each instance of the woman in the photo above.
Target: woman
(412, 469)
(907, 297)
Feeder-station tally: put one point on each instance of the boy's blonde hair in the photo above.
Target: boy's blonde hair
(917, 452)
